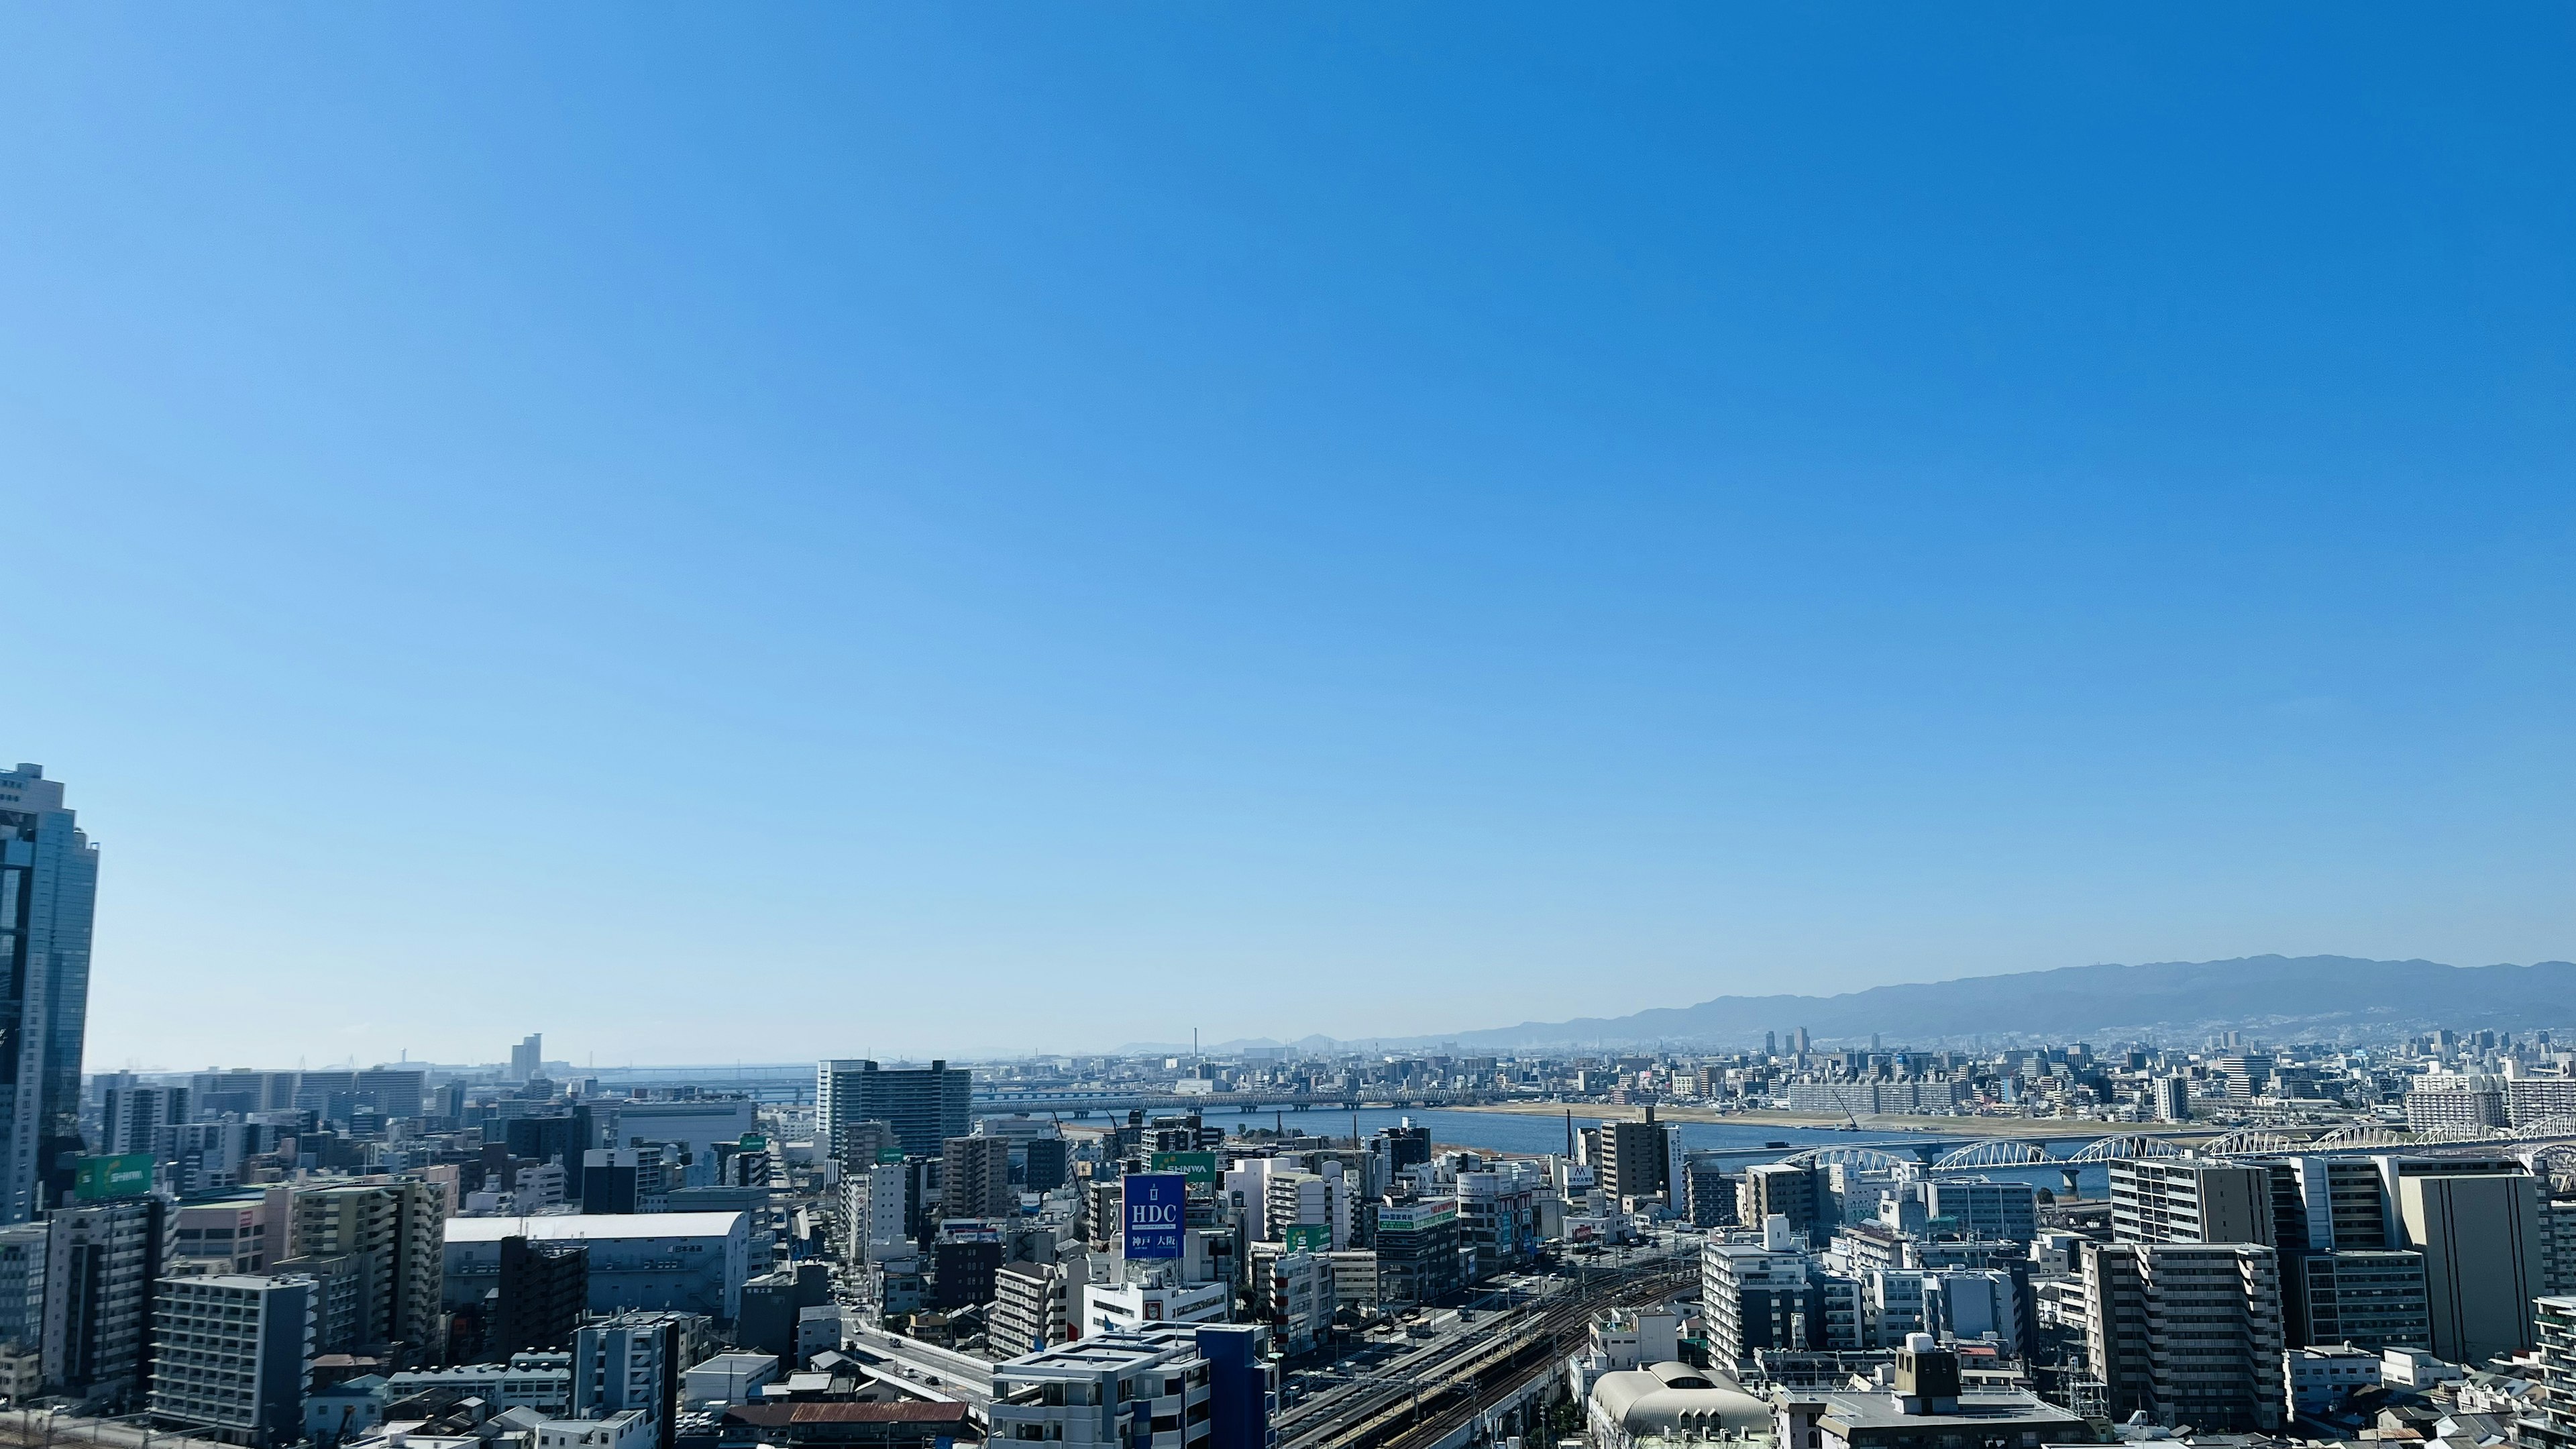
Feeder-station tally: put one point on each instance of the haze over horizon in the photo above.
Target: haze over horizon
(804, 537)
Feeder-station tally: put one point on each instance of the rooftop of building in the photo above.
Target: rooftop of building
(576, 1226)
(1883, 1410)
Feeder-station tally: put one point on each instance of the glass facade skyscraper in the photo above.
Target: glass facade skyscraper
(48, 896)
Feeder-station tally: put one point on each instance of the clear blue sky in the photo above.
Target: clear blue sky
(751, 533)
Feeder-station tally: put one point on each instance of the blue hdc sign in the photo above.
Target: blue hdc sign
(1154, 1205)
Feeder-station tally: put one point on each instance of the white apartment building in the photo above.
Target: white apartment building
(232, 1354)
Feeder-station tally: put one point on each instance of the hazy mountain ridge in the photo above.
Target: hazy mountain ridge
(2280, 997)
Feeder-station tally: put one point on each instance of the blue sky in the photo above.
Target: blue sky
(914, 530)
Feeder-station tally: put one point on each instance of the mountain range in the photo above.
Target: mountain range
(2281, 998)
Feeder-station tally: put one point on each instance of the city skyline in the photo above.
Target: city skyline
(1251, 515)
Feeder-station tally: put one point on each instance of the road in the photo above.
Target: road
(1423, 1393)
(36, 1429)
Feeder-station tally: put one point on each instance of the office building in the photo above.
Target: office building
(100, 1263)
(2174, 1200)
(2480, 1237)
(1198, 1386)
(1798, 1195)
(688, 1262)
(975, 1178)
(630, 1364)
(963, 1261)
(542, 1291)
(1497, 1217)
(1978, 1208)
(1417, 1251)
(230, 1233)
(528, 1058)
(48, 898)
(925, 1105)
(397, 1225)
(774, 1303)
(232, 1356)
(2186, 1333)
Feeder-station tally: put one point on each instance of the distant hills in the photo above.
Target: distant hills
(2281, 998)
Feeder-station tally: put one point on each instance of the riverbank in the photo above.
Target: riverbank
(2053, 1128)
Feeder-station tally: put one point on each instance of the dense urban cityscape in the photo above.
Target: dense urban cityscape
(1814, 1243)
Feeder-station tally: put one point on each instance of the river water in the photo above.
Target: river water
(1532, 1133)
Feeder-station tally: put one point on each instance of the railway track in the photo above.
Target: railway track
(1422, 1397)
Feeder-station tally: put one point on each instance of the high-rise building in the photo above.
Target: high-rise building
(2170, 1200)
(1985, 1209)
(2480, 1237)
(2187, 1333)
(543, 1288)
(2553, 1426)
(630, 1362)
(2172, 1098)
(874, 1214)
(398, 1226)
(48, 898)
(1417, 1251)
(100, 1261)
(131, 1118)
(1632, 1160)
(925, 1105)
(233, 1354)
(1031, 1307)
(975, 1178)
(22, 1287)
(1791, 1192)
(2371, 1298)
(2447, 1103)
(1048, 1161)
(528, 1058)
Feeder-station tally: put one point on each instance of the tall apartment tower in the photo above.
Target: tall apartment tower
(2172, 1097)
(528, 1058)
(2165, 1200)
(48, 896)
(1632, 1159)
(399, 1228)
(975, 1178)
(131, 1118)
(925, 1105)
(2187, 1333)
(1798, 1195)
(100, 1263)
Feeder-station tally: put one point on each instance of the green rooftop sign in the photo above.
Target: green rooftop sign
(125, 1175)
